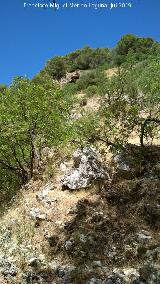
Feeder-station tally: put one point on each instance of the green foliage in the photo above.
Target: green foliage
(89, 58)
(69, 90)
(92, 90)
(150, 78)
(84, 129)
(35, 113)
(3, 88)
(93, 82)
(31, 117)
(156, 48)
(45, 80)
(8, 187)
(138, 46)
(55, 67)
(84, 59)
(86, 80)
(133, 98)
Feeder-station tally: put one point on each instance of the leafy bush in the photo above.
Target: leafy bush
(69, 90)
(3, 88)
(84, 129)
(55, 67)
(84, 59)
(31, 117)
(92, 90)
(9, 186)
(133, 103)
(89, 58)
(139, 46)
(87, 79)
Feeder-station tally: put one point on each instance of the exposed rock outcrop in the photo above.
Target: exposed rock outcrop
(104, 235)
(7, 268)
(88, 167)
(71, 77)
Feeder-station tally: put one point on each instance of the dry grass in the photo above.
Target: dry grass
(93, 104)
(62, 209)
(111, 72)
(80, 95)
(2, 280)
(30, 232)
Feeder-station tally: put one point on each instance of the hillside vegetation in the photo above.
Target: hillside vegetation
(80, 168)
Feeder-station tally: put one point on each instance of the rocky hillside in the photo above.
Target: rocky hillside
(96, 221)
(80, 169)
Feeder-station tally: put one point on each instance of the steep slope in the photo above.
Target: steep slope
(105, 233)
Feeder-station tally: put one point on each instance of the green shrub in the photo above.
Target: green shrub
(56, 68)
(30, 117)
(92, 90)
(86, 80)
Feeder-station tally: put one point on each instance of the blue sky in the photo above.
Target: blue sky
(30, 36)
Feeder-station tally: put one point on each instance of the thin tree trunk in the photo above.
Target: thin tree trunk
(143, 126)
